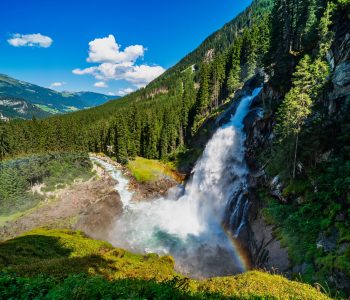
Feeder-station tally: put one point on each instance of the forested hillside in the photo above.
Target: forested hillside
(299, 51)
(308, 152)
(11, 108)
(155, 121)
(43, 101)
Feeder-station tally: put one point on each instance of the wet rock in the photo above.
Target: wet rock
(153, 189)
(276, 189)
(301, 269)
(97, 220)
(266, 250)
(340, 280)
(257, 178)
(83, 202)
(341, 75)
(343, 248)
(327, 243)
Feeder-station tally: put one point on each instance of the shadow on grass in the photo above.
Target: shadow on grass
(96, 287)
(41, 267)
(31, 247)
(39, 254)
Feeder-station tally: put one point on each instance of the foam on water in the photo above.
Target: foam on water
(188, 224)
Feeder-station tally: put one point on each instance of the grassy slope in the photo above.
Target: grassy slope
(145, 170)
(47, 264)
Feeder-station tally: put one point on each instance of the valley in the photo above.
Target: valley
(23, 100)
(227, 176)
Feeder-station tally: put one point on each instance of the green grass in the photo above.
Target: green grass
(48, 109)
(7, 218)
(71, 108)
(61, 253)
(63, 264)
(148, 170)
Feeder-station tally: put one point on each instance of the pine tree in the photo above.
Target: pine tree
(217, 79)
(309, 79)
(4, 144)
(188, 100)
(203, 93)
(233, 80)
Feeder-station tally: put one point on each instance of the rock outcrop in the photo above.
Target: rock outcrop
(265, 250)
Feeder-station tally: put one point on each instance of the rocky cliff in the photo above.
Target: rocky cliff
(265, 249)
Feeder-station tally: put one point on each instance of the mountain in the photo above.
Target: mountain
(156, 120)
(223, 38)
(298, 132)
(47, 100)
(13, 108)
(91, 99)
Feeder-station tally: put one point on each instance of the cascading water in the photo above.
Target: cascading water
(122, 185)
(188, 224)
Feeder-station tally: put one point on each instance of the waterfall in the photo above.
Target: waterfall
(188, 224)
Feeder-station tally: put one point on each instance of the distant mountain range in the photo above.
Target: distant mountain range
(19, 99)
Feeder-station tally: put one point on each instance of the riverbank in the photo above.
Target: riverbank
(148, 179)
(91, 204)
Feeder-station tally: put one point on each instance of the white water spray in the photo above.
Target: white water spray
(189, 226)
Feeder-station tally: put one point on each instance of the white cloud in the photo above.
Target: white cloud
(30, 40)
(101, 84)
(57, 84)
(108, 50)
(118, 65)
(138, 75)
(124, 92)
(143, 74)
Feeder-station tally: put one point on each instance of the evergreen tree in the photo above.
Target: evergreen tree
(309, 79)
(203, 93)
(233, 80)
(4, 144)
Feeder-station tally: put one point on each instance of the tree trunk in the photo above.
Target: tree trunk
(295, 155)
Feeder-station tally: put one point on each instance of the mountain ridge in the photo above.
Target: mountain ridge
(46, 100)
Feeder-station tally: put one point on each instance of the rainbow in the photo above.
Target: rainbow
(241, 255)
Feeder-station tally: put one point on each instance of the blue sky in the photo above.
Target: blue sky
(157, 33)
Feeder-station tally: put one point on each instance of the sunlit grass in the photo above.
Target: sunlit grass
(146, 170)
(62, 254)
(7, 218)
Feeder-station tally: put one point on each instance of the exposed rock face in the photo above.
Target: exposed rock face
(266, 251)
(97, 218)
(151, 190)
(341, 76)
(89, 206)
(328, 242)
(339, 59)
